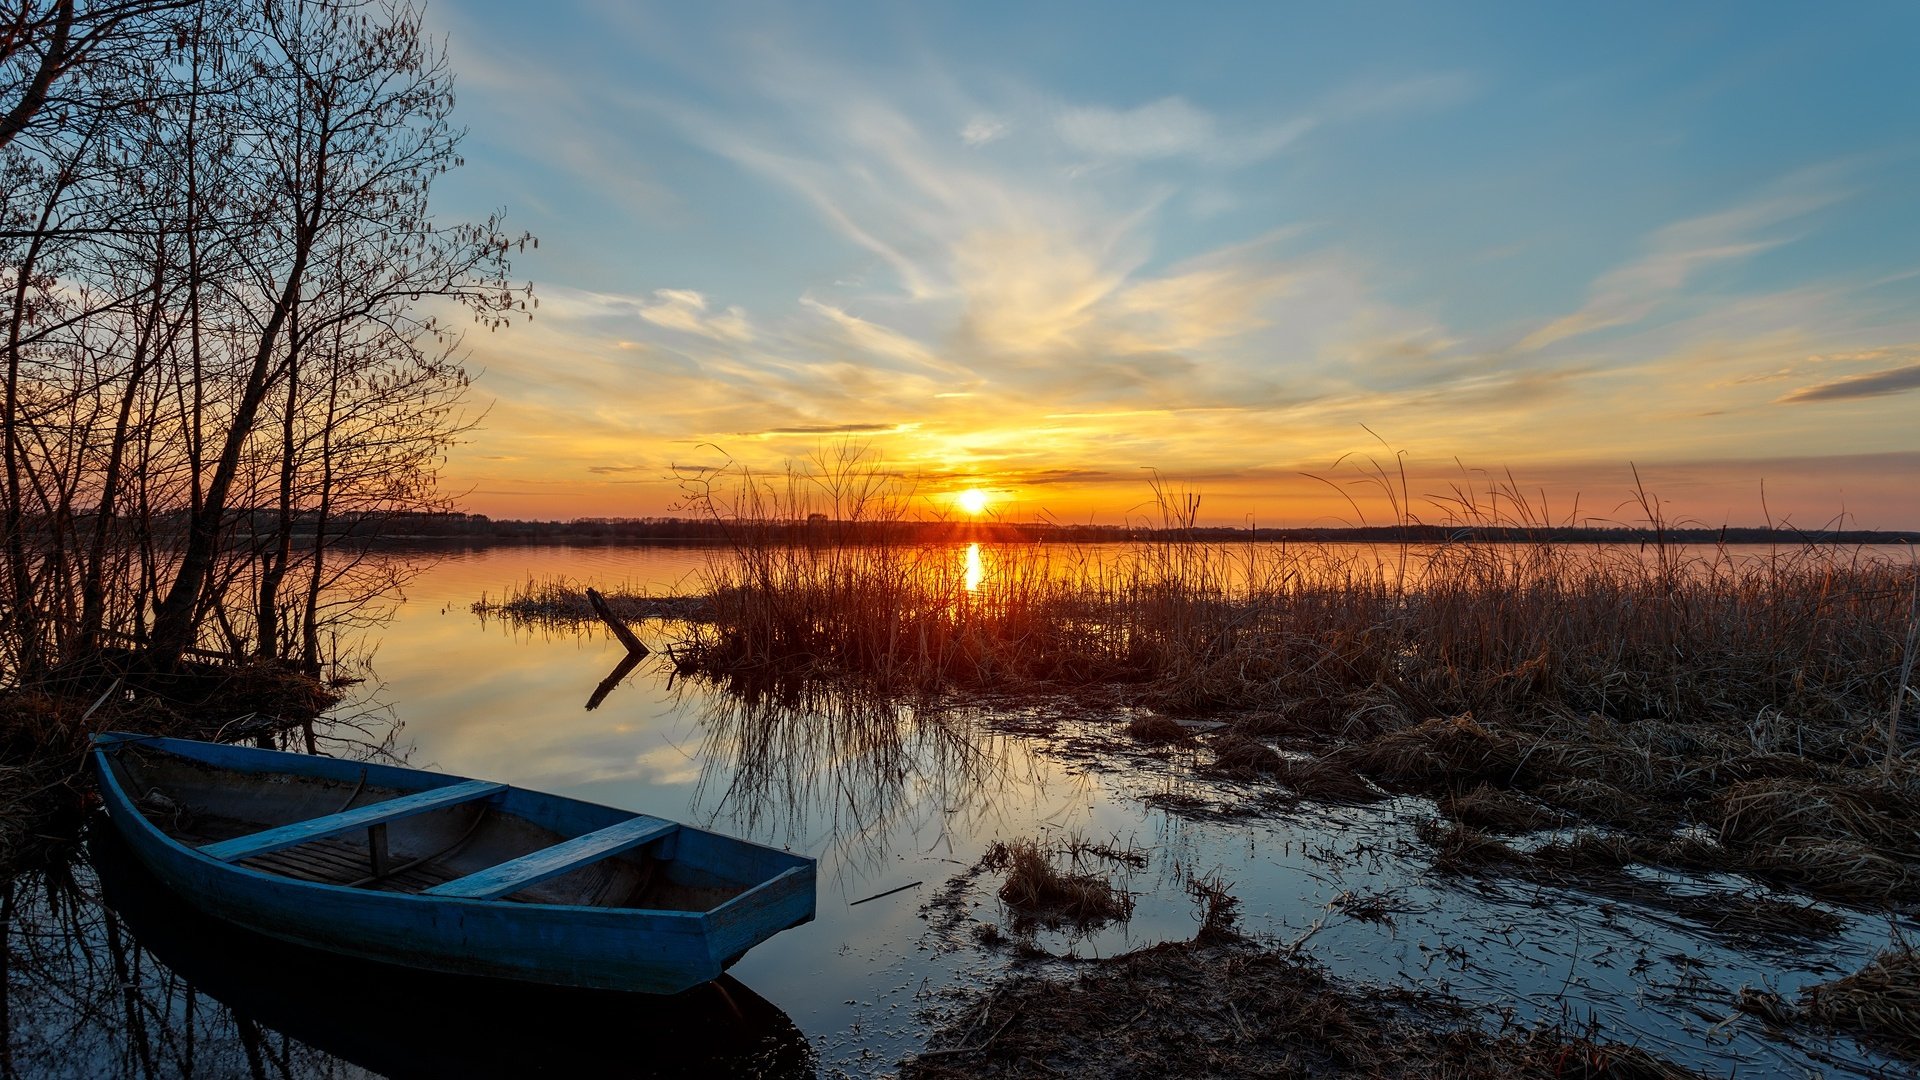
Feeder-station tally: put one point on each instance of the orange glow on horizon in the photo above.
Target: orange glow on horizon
(555, 479)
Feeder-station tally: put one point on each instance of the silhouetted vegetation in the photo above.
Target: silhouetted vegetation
(218, 370)
(1762, 698)
(481, 530)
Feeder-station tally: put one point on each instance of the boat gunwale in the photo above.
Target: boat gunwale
(698, 919)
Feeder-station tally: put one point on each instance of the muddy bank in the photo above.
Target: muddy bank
(1228, 1008)
(45, 731)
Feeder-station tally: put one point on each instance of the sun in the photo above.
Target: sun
(972, 500)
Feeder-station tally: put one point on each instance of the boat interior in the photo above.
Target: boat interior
(465, 840)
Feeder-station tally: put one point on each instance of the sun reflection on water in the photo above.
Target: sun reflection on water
(975, 569)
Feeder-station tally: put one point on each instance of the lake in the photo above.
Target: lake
(911, 802)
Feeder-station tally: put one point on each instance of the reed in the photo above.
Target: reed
(1880, 1003)
(1762, 695)
(1220, 1006)
(1474, 630)
(1038, 892)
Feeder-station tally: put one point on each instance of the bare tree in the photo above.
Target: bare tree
(224, 323)
(367, 108)
(43, 44)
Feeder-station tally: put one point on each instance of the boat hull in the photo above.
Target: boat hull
(648, 951)
(396, 1021)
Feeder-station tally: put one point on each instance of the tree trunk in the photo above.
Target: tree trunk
(52, 63)
(173, 620)
(274, 568)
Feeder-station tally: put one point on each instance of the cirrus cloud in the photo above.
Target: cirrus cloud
(1873, 384)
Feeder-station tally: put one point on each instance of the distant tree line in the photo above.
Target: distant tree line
(480, 529)
(230, 324)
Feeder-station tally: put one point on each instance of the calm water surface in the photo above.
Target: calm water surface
(916, 800)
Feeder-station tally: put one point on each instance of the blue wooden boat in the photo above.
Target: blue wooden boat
(408, 1024)
(444, 873)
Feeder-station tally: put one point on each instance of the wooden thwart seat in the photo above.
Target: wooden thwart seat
(346, 821)
(515, 874)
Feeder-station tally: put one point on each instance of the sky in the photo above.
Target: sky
(1048, 252)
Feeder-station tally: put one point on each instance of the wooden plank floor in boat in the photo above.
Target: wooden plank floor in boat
(332, 861)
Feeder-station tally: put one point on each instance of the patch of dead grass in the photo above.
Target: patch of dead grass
(1154, 728)
(1451, 751)
(1037, 890)
(1496, 810)
(1244, 758)
(1879, 1004)
(1224, 1008)
(1327, 779)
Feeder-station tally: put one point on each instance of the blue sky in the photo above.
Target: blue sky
(1038, 248)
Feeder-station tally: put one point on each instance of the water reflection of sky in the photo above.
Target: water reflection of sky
(886, 798)
(886, 804)
(882, 801)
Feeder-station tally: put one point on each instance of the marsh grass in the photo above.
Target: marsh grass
(1215, 907)
(1360, 639)
(560, 603)
(1154, 728)
(1879, 1004)
(1762, 694)
(1222, 1007)
(1041, 892)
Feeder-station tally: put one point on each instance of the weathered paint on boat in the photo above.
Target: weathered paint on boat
(618, 948)
(405, 1022)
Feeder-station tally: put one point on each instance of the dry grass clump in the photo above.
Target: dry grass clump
(1599, 801)
(1751, 916)
(1297, 720)
(1369, 906)
(1219, 909)
(1607, 753)
(1847, 832)
(1597, 862)
(1222, 1008)
(1037, 890)
(1327, 779)
(1083, 850)
(561, 603)
(1860, 841)
(1460, 849)
(1154, 728)
(1496, 810)
(1454, 751)
(1245, 759)
(1585, 854)
(1879, 1004)
(1787, 811)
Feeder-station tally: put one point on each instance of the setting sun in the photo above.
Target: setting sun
(972, 500)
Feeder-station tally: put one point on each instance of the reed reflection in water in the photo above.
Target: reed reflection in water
(832, 770)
